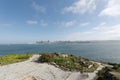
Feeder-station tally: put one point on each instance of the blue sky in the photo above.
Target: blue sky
(27, 21)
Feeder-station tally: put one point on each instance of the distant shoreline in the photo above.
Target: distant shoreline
(87, 41)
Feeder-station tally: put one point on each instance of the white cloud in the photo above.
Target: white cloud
(101, 32)
(35, 22)
(66, 24)
(111, 9)
(39, 8)
(31, 22)
(42, 23)
(84, 24)
(81, 7)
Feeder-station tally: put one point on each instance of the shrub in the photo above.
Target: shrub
(105, 75)
(45, 57)
(69, 63)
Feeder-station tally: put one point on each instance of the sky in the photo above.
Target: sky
(28, 21)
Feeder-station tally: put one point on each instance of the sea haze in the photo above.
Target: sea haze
(108, 51)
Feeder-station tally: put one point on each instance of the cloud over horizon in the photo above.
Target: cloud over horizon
(101, 32)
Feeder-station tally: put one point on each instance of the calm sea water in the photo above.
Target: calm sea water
(100, 51)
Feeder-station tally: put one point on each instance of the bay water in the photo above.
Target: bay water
(99, 51)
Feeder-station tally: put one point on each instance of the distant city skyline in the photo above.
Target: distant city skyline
(28, 21)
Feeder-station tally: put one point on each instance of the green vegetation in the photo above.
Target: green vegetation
(104, 74)
(68, 62)
(115, 67)
(13, 58)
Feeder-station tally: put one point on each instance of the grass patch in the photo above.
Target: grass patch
(68, 62)
(13, 58)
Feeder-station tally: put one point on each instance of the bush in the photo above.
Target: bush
(105, 75)
(69, 63)
(117, 67)
(45, 57)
